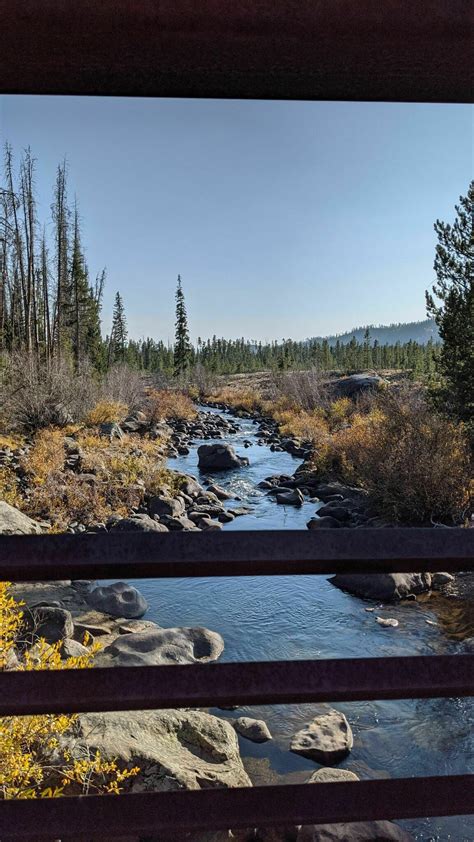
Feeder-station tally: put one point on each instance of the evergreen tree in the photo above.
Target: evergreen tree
(451, 303)
(182, 348)
(367, 349)
(118, 335)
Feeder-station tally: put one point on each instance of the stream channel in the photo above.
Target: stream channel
(297, 617)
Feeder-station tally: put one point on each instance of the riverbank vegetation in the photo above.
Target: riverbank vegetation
(415, 464)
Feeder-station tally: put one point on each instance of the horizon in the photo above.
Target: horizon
(282, 218)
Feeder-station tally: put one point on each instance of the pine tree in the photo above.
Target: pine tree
(118, 334)
(182, 348)
(451, 303)
(367, 349)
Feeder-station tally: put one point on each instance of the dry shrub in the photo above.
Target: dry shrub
(47, 455)
(117, 475)
(161, 404)
(307, 426)
(415, 464)
(9, 490)
(124, 385)
(64, 498)
(34, 395)
(104, 411)
(244, 399)
(307, 390)
(204, 381)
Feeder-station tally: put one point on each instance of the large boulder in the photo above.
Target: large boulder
(52, 623)
(138, 523)
(175, 749)
(119, 600)
(14, 522)
(136, 422)
(354, 832)
(111, 430)
(327, 739)
(355, 384)
(382, 586)
(163, 646)
(219, 457)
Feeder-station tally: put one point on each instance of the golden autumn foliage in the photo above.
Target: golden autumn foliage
(34, 760)
(161, 404)
(46, 456)
(104, 411)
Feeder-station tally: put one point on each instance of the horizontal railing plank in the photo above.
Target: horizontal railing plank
(214, 685)
(209, 809)
(252, 553)
(332, 49)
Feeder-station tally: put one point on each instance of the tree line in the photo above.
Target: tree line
(51, 309)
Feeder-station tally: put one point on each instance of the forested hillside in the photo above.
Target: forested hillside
(420, 332)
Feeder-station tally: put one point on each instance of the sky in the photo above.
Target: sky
(284, 219)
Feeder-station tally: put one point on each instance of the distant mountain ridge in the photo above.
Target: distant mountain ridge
(420, 332)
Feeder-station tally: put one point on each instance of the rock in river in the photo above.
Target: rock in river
(138, 523)
(219, 457)
(327, 739)
(383, 586)
(175, 749)
(290, 498)
(255, 730)
(163, 646)
(119, 600)
(171, 506)
(329, 776)
(323, 523)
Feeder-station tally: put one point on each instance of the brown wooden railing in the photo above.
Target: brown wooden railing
(30, 558)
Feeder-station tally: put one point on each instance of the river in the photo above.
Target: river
(295, 617)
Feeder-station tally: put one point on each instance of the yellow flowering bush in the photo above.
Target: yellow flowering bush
(34, 763)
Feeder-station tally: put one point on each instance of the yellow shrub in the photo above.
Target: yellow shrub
(9, 486)
(340, 411)
(239, 398)
(105, 411)
(10, 441)
(308, 426)
(33, 762)
(165, 403)
(46, 456)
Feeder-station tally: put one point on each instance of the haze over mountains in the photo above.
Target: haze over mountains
(420, 332)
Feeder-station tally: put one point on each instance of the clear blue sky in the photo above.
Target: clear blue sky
(283, 219)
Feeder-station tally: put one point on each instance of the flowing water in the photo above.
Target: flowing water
(296, 617)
